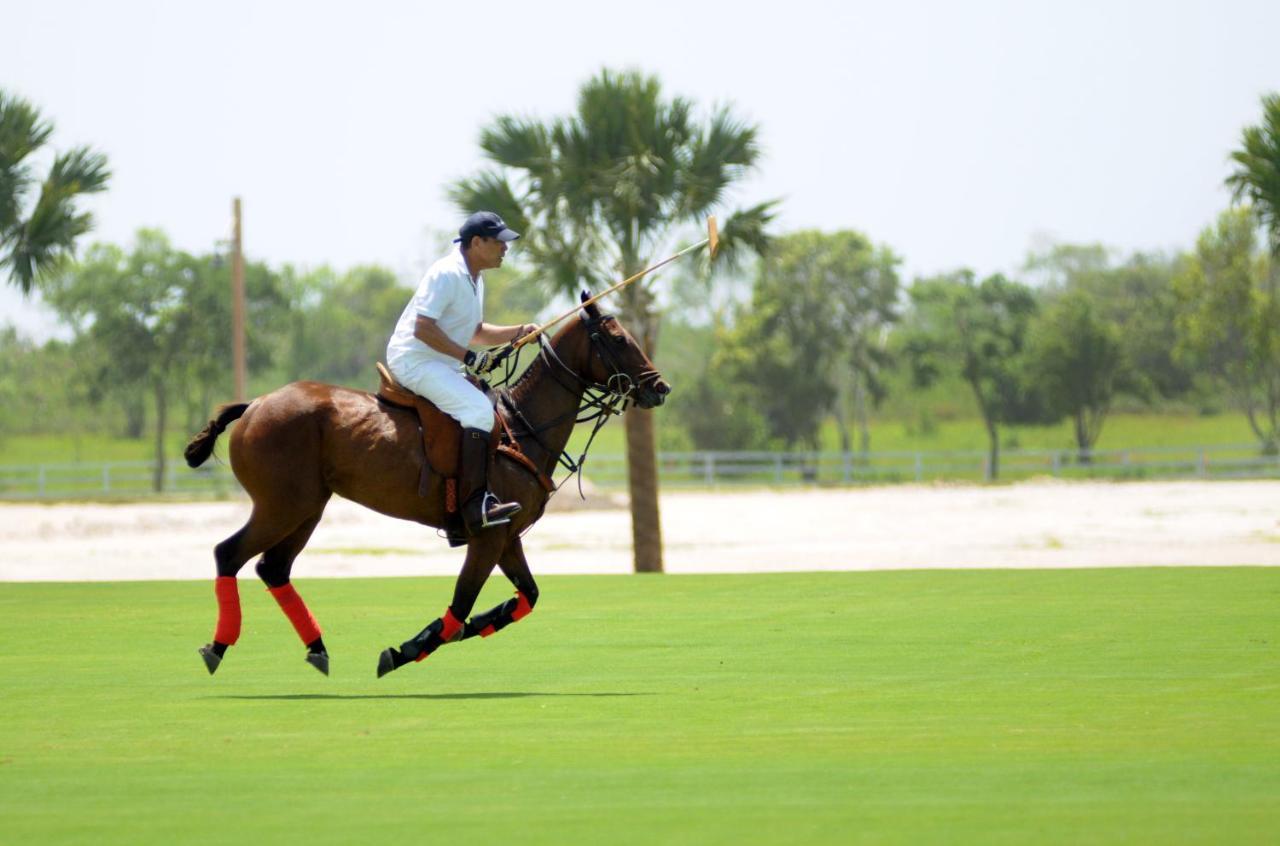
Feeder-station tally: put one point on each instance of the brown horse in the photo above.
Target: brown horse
(299, 445)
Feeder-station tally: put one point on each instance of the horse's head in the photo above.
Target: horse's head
(615, 361)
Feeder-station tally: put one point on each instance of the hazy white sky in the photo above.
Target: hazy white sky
(957, 133)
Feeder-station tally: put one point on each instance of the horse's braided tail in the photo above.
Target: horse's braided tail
(201, 446)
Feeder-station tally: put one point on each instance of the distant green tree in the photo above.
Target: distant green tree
(602, 193)
(35, 244)
(1077, 361)
(15, 352)
(813, 335)
(1138, 298)
(718, 410)
(763, 371)
(512, 296)
(1229, 323)
(1063, 266)
(1135, 295)
(39, 392)
(207, 374)
(979, 330)
(863, 290)
(340, 323)
(148, 322)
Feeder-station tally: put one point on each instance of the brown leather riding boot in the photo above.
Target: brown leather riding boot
(480, 509)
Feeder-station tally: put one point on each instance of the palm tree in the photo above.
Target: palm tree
(33, 247)
(1257, 174)
(601, 194)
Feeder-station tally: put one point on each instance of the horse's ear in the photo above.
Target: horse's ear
(593, 310)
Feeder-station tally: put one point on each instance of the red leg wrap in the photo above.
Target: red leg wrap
(522, 607)
(228, 630)
(487, 630)
(452, 625)
(297, 612)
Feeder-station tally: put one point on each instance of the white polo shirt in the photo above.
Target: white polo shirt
(447, 294)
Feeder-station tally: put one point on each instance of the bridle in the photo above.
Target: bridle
(618, 384)
(600, 400)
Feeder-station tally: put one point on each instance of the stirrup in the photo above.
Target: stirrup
(506, 510)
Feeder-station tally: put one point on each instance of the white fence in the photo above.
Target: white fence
(709, 469)
(134, 479)
(122, 479)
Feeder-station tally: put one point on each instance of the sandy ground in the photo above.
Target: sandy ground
(1038, 524)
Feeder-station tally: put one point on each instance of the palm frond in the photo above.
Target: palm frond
(1256, 179)
(40, 246)
(719, 155)
(80, 171)
(490, 191)
(517, 143)
(746, 233)
(604, 188)
(22, 131)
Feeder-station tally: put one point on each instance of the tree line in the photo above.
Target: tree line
(830, 330)
(826, 327)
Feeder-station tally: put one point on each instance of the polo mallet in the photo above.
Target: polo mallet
(712, 242)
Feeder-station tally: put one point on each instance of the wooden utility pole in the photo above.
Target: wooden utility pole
(237, 304)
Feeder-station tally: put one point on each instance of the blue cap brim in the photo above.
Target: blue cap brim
(506, 235)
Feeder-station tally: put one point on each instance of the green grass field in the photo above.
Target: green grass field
(1132, 706)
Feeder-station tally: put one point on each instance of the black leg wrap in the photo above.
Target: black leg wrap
(440, 631)
(424, 642)
(500, 616)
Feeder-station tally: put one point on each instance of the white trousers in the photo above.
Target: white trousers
(447, 387)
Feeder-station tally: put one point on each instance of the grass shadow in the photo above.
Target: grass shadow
(443, 696)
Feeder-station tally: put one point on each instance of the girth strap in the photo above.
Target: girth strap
(510, 447)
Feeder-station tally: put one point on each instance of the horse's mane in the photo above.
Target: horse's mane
(528, 380)
(532, 374)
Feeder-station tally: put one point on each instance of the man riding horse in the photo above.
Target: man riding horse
(295, 447)
(428, 352)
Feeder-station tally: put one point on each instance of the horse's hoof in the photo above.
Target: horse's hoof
(387, 661)
(211, 658)
(319, 660)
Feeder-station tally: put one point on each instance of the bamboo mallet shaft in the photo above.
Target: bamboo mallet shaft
(712, 240)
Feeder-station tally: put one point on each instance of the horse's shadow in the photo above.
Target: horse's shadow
(288, 697)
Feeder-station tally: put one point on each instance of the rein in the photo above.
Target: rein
(606, 399)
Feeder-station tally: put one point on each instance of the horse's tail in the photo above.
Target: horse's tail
(201, 446)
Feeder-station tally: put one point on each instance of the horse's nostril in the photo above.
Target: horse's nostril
(663, 388)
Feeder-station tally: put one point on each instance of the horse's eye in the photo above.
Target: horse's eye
(618, 340)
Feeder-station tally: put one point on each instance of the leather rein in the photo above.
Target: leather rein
(605, 399)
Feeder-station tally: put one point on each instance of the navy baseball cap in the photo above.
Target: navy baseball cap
(487, 225)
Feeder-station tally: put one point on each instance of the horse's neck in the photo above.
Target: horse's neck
(544, 399)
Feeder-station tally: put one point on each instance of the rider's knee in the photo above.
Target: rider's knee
(480, 417)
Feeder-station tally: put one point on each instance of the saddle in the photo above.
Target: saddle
(442, 437)
(441, 434)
